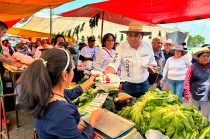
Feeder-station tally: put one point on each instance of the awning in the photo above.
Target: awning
(65, 24)
(27, 33)
(91, 11)
(153, 11)
(17, 9)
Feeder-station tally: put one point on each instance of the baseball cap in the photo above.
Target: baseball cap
(91, 39)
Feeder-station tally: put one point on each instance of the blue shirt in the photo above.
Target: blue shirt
(60, 119)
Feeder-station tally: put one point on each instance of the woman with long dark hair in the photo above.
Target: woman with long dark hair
(44, 97)
(106, 54)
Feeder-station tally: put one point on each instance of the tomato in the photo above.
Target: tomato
(107, 79)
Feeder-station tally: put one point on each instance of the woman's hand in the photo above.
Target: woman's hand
(161, 82)
(89, 82)
(81, 125)
(96, 116)
(186, 97)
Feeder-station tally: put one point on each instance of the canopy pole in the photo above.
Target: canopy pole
(51, 23)
(102, 26)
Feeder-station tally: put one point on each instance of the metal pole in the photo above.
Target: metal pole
(51, 23)
(102, 26)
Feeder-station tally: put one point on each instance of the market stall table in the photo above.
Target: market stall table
(14, 73)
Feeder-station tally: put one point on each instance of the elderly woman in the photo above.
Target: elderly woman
(197, 82)
(105, 55)
(175, 69)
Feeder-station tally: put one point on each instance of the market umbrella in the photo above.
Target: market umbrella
(91, 11)
(154, 11)
(17, 9)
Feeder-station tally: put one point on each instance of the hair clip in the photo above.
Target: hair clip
(44, 62)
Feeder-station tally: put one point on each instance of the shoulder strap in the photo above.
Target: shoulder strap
(108, 52)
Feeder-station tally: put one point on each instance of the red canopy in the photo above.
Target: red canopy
(11, 23)
(90, 11)
(153, 11)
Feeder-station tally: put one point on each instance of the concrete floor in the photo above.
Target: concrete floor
(25, 131)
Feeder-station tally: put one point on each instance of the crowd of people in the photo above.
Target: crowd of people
(141, 64)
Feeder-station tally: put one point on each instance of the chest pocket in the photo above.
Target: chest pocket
(144, 59)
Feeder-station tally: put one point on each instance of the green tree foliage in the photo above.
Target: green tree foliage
(195, 41)
(159, 33)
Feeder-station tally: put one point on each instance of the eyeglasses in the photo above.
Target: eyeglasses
(110, 40)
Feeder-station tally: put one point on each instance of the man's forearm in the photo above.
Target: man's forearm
(6, 60)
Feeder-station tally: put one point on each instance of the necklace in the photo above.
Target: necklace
(58, 95)
(61, 96)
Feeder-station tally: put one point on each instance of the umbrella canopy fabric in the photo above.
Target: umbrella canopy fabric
(90, 11)
(153, 11)
(11, 10)
(62, 24)
(27, 33)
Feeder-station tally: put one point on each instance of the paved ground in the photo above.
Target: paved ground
(25, 131)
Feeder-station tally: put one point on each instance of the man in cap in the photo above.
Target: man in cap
(197, 82)
(133, 56)
(89, 52)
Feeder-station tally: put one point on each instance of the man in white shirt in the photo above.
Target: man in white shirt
(134, 56)
(88, 53)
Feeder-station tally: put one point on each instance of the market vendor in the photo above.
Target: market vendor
(3, 59)
(197, 82)
(44, 97)
(133, 57)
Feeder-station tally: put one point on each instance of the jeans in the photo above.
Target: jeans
(177, 87)
(135, 90)
(205, 107)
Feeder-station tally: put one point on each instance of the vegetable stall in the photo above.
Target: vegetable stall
(157, 110)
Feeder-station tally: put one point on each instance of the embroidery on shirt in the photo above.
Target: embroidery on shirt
(144, 55)
(127, 66)
(115, 58)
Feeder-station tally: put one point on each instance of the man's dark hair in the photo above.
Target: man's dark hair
(3, 25)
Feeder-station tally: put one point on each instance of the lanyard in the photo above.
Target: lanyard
(108, 52)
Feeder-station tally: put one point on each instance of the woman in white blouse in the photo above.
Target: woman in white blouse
(176, 68)
(105, 55)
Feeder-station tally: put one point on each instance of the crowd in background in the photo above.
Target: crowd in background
(142, 65)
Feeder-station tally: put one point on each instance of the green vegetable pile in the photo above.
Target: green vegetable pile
(163, 111)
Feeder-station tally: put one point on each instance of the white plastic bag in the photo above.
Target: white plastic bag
(137, 136)
(155, 134)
